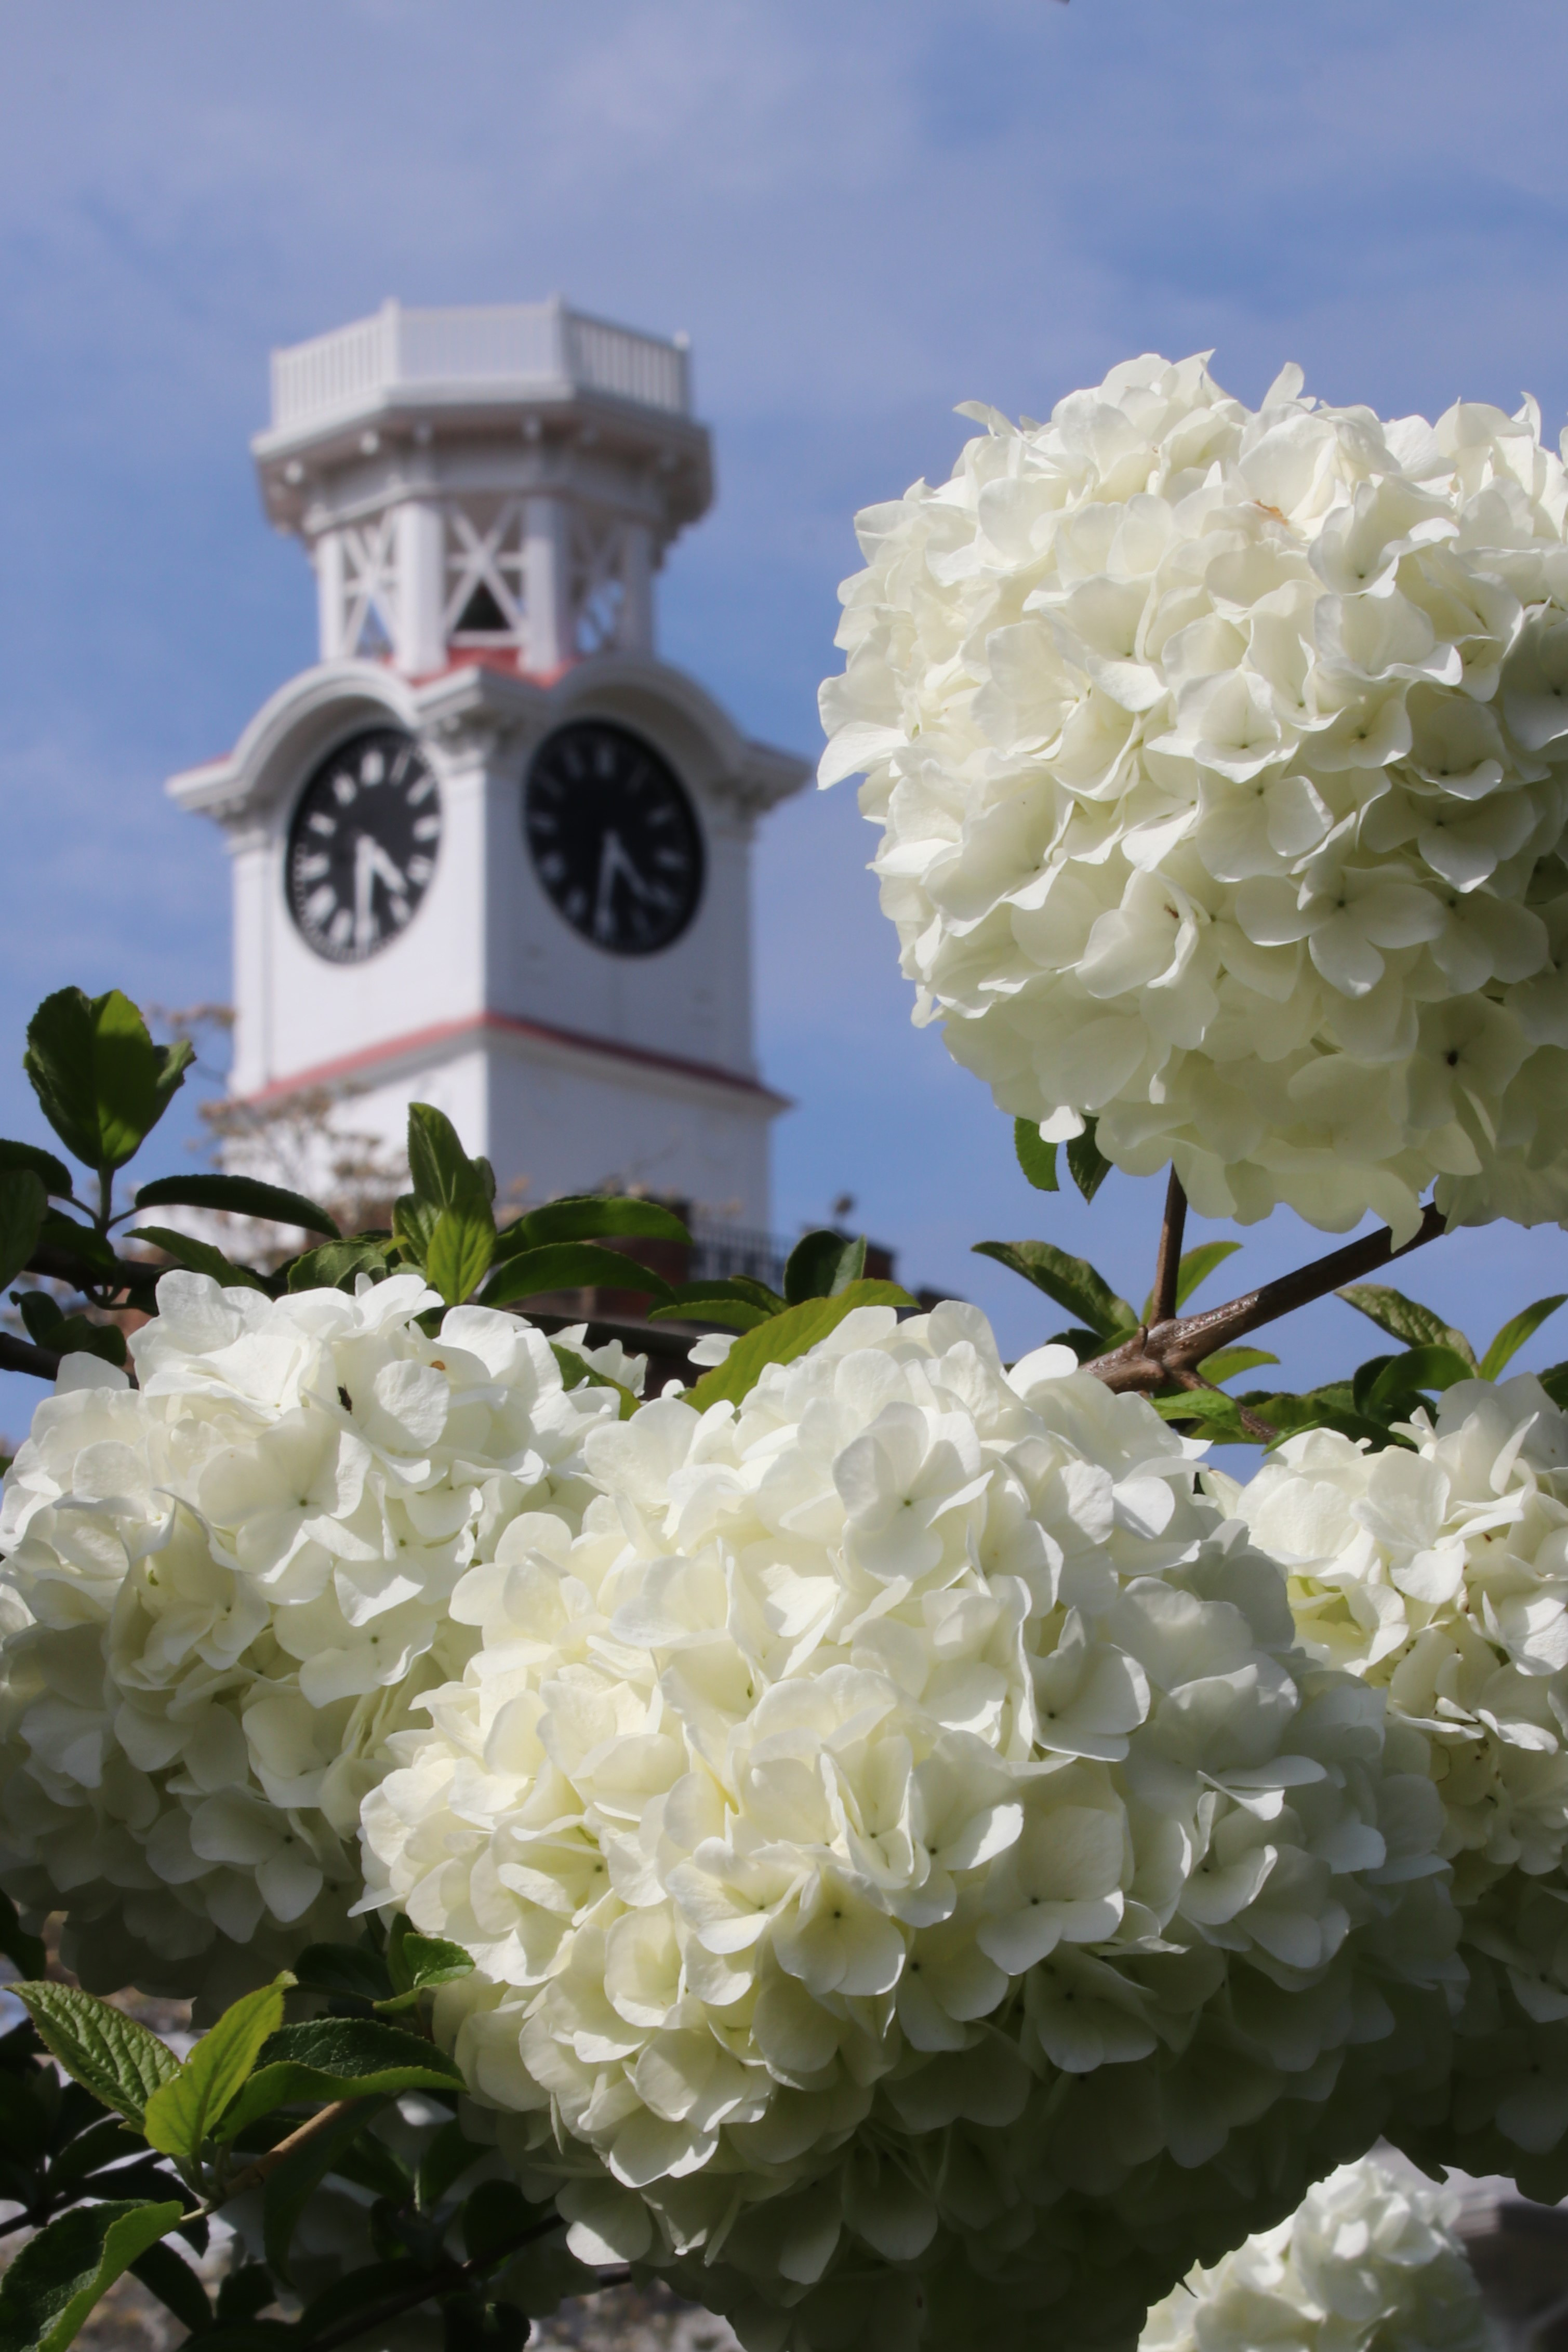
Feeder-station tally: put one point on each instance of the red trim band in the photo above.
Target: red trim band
(424, 1041)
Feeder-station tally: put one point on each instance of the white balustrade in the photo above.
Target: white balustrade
(524, 346)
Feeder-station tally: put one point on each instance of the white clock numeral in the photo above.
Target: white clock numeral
(320, 903)
(426, 828)
(401, 909)
(372, 768)
(311, 868)
(319, 822)
(340, 929)
(344, 790)
(420, 869)
(421, 792)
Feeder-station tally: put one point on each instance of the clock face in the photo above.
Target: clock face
(362, 845)
(613, 837)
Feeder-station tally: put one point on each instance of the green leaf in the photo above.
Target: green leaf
(68, 1334)
(52, 1174)
(1554, 1381)
(1231, 1361)
(198, 1257)
(441, 1169)
(414, 1223)
(339, 2058)
(784, 1336)
(1329, 1407)
(240, 1196)
(182, 2114)
(1514, 1334)
(419, 1963)
(1036, 1158)
(336, 1266)
(110, 2053)
(87, 1247)
(339, 1970)
(569, 1266)
(575, 1371)
(177, 2287)
(821, 1265)
(494, 2219)
(1399, 1385)
(590, 1217)
(362, 2289)
(1405, 1319)
(1197, 1265)
(738, 1314)
(245, 2291)
(102, 1083)
(292, 2186)
(17, 1945)
(459, 1257)
(24, 1204)
(106, 2141)
(1086, 1164)
(446, 2159)
(1072, 1282)
(60, 2275)
(1216, 1415)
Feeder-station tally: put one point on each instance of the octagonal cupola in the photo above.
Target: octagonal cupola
(496, 485)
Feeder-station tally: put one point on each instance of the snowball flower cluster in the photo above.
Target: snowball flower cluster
(909, 1861)
(222, 1588)
(1366, 2261)
(1441, 1576)
(1220, 759)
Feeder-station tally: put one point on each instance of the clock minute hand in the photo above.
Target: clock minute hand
(614, 864)
(371, 864)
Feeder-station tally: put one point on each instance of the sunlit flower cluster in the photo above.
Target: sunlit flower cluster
(904, 1848)
(223, 1587)
(1441, 1576)
(1220, 760)
(1367, 2260)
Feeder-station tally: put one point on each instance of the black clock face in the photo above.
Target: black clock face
(362, 845)
(613, 836)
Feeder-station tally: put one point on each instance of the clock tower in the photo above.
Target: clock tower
(489, 851)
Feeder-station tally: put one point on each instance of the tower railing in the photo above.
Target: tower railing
(523, 346)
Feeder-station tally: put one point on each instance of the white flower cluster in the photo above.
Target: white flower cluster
(1220, 759)
(1365, 2261)
(221, 1589)
(1441, 1576)
(905, 1850)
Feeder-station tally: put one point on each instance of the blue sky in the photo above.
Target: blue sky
(862, 214)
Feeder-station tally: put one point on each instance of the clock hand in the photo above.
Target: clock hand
(364, 878)
(615, 864)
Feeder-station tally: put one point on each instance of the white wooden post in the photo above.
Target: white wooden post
(421, 588)
(547, 585)
(328, 557)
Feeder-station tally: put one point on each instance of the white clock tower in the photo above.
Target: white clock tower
(490, 852)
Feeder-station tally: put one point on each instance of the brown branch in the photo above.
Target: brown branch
(255, 2173)
(1168, 1264)
(21, 1356)
(1155, 1358)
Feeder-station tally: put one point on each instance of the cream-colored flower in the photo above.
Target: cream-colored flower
(1220, 764)
(873, 1828)
(222, 1589)
(1367, 2260)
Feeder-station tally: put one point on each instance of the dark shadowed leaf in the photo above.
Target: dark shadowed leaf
(289, 2189)
(590, 1217)
(569, 1266)
(1086, 1164)
(17, 1945)
(168, 2276)
(198, 1257)
(52, 1174)
(57, 2278)
(102, 1083)
(344, 1969)
(1036, 1158)
(822, 1264)
(576, 1373)
(237, 1196)
(337, 1265)
(23, 1206)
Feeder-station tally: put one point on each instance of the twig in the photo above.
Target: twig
(1168, 1264)
(257, 2172)
(1253, 1422)
(1154, 1358)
